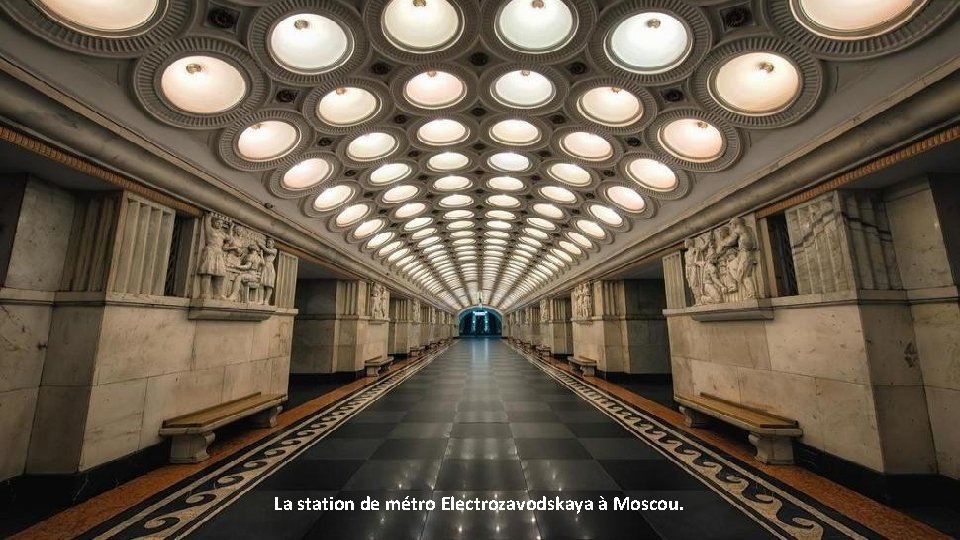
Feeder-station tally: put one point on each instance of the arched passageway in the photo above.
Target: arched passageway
(480, 322)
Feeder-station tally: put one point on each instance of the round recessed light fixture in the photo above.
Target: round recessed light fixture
(390, 173)
(410, 210)
(267, 140)
(591, 228)
(421, 26)
(202, 85)
(369, 227)
(503, 201)
(854, 19)
(434, 90)
(605, 214)
(626, 198)
(509, 162)
(506, 183)
(548, 210)
(306, 174)
(372, 146)
(558, 194)
(515, 132)
(456, 200)
(649, 43)
(399, 194)
(451, 183)
(352, 214)
(347, 106)
(610, 105)
(652, 174)
(587, 146)
(101, 17)
(417, 223)
(448, 161)
(309, 43)
(442, 131)
(332, 197)
(692, 139)
(523, 89)
(535, 26)
(570, 173)
(756, 83)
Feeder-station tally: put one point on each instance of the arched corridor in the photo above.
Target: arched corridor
(480, 322)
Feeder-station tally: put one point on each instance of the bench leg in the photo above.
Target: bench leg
(693, 418)
(588, 371)
(266, 418)
(190, 448)
(372, 371)
(773, 449)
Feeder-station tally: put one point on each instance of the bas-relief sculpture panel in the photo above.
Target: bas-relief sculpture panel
(379, 301)
(235, 263)
(582, 300)
(722, 265)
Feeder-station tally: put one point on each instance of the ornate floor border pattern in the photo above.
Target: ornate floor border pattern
(771, 503)
(182, 508)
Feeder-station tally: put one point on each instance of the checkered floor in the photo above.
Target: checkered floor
(481, 421)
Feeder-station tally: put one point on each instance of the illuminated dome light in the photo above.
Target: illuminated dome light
(458, 214)
(649, 43)
(500, 214)
(570, 247)
(448, 161)
(390, 173)
(523, 89)
(606, 215)
(347, 106)
(756, 83)
(306, 174)
(332, 197)
(309, 43)
(267, 140)
(548, 210)
(509, 162)
(406, 260)
(371, 146)
(202, 84)
(417, 223)
(397, 254)
(434, 90)
(580, 239)
(462, 234)
(428, 241)
(421, 25)
(451, 183)
(352, 214)
(531, 241)
(626, 198)
(561, 254)
(499, 225)
(442, 131)
(558, 194)
(410, 209)
(506, 183)
(464, 241)
(588, 146)
(591, 228)
(99, 16)
(569, 173)
(854, 19)
(392, 246)
(423, 233)
(541, 223)
(369, 227)
(535, 25)
(453, 201)
(399, 194)
(515, 132)
(611, 106)
(652, 174)
(497, 234)
(461, 224)
(503, 201)
(692, 139)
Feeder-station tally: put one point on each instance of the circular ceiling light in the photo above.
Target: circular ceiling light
(541, 223)
(421, 25)
(202, 85)
(332, 197)
(499, 225)
(523, 89)
(99, 16)
(456, 200)
(611, 106)
(580, 239)
(399, 194)
(434, 90)
(442, 131)
(369, 227)
(506, 183)
(652, 174)
(756, 83)
(535, 26)
(591, 228)
(692, 139)
(371, 146)
(460, 224)
(569, 173)
(588, 146)
(626, 198)
(650, 42)
(306, 174)
(500, 214)
(451, 183)
(558, 194)
(606, 215)
(509, 162)
(309, 43)
(266, 140)
(503, 201)
(548, 210)
(347, 106)
(410, 209)
(448, 161)
(390, 173)
(352, 214)
(515, 132)
(854, 19)
(417, 223)
(422, 233)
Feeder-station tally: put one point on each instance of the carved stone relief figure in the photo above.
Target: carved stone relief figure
(721, 265)
(582, 299)
(212, 265)
(416, 311)
(269, 277)
(378, 301)
(544, 311)
(235, 263)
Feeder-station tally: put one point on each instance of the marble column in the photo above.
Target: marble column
(400, 336)
(557, 333)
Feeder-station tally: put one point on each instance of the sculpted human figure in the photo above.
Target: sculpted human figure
(269, 278)
(212, 264)
(250, 271)
(377, 297)
(711, 284)
(742, 262)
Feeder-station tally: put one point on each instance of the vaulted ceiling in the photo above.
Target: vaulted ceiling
(481, 148)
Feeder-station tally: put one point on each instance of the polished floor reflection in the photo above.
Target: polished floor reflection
(481, 422)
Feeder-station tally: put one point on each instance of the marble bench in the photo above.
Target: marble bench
(192, 433)
(587, 367)
(770, 434)
(373, 367)
(543, 351)
(416, 351)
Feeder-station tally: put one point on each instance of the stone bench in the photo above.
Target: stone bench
(587, 367)
(543, 351)
(416, 351)
(192, 433)
(770, 434)
(373, 367)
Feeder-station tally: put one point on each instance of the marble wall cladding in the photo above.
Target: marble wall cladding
(43, 232)
(918, 238)
(943, 404)
(16, 421)
(313, 350)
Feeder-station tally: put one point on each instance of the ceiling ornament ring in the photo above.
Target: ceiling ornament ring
(399, 135)
(402, 76)
(733, 145)
(585, 14)
(470, 123)
(377, 88)
(812, 82)
(273, 180)
(468, 11)
(651, 205)
(561, 87)
(685, 179)
(491, 120)
(649, 104)
(929, 17)
(556, 144)
(309, 210)
(149, 69)
(227, 144)
(264, 19)
(695, 19)
(166, 23)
